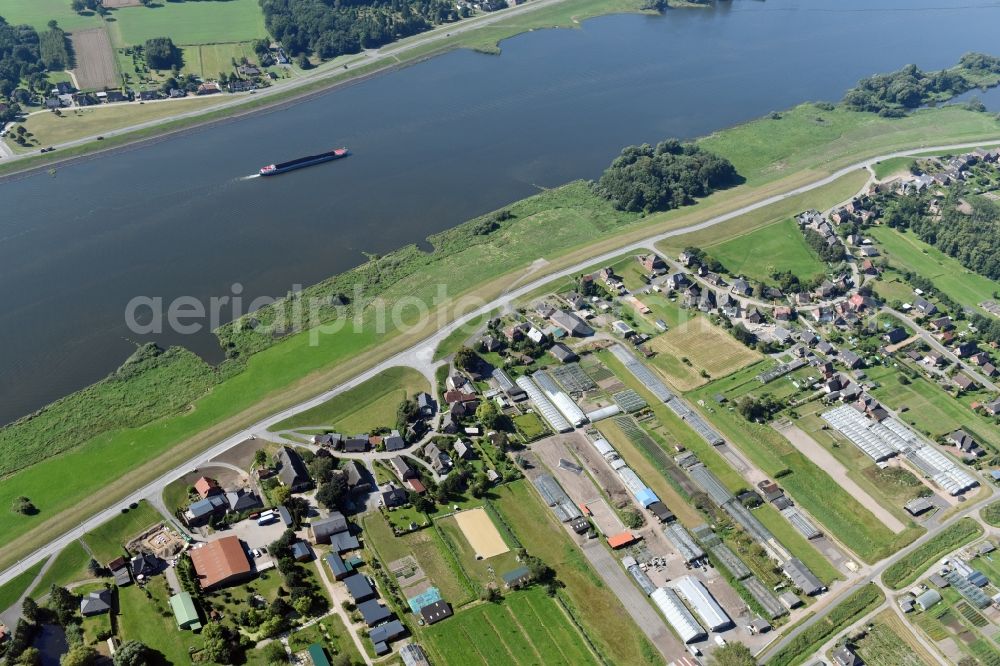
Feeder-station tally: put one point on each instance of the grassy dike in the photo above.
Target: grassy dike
(565, 226)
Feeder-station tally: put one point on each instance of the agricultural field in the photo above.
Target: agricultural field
(687, 353)
(890, 643)
(930, 409)
(38, 13)
(208, 60)
(108, 541)
(592, 604)
(372, 404)
(528, 627)
(760, 253)
(904, 249)
(205, 22)
(963, 627)
(69, 566)
(95, 60)
(907, 569)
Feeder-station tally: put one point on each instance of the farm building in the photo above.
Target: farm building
(559, 398)
(704, 604)
(678, 616)
(556, 498)
(185, 613)
(927, 599)
(435, 612)
(382, 634)
(337, 566)
(373, 612)
(683, 542)
(801, 523)
(545, 407)
(802, 577)
(293, 473)
(640, 577)
(221, 562)
(317, 655)
(359, 588)
(324, 528)
(621, 540)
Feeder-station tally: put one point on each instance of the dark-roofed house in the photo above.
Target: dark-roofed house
(202, 511)
(357, 477)
(426, 405)
(394, 497)
(337, 566)
(394, 442)
(357, 444)
(242, 500)
(851, 360)
(435, 612)
(401, 468)
(301, 551)
(324, 527)
(95, 603)
(895, 336)
(293, 473)
(964, 381)
(359, 588)
(387, 632)
(844, 656)
(563, 353)
(146, 565)
(573, 324)
(119, 570)
(373, 612)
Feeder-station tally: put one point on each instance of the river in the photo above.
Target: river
(433, 145)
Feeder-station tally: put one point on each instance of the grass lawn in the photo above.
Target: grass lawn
(777, 247)
(108, 541)
(12, 590)
(175, 494)
(530, 426)
(69, 566)
(594, 606)
(150, 621)
(930, 409)
(566, 225)
(431, 553)
(904, 249)
(205, 22)
(892, 167)
(706, 347)
(75, 123)
(528, 627)
(37, 13)
(366, 406)
(454, 341)
(208, 60)
(908, 569)
(807, 138)
(331, 634)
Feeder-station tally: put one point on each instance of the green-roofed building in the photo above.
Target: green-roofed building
(184, 611)
(318, 655)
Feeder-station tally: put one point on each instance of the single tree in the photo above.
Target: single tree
(732, 654)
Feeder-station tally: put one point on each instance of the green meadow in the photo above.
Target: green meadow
(778, 247)
(203, 22)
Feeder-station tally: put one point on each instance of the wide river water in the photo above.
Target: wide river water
(434, 144)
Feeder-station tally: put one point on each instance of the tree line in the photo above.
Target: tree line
(20, 58)
(894, 93)
(330, 29)
(671, 174)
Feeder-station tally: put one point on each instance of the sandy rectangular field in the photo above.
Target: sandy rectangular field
(95, 60)
(481, 533)
(706, 347)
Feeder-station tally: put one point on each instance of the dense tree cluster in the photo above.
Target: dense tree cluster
(826, 252)
(698, 257)
(161, 53)
(53, 47)
(759, 409)
(81, 6)
(330, 29)
(672, 174)
(893, 93)
(20, 58)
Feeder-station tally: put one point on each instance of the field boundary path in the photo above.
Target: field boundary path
(421, 355)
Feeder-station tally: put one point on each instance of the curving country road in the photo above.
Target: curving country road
(420, 355)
